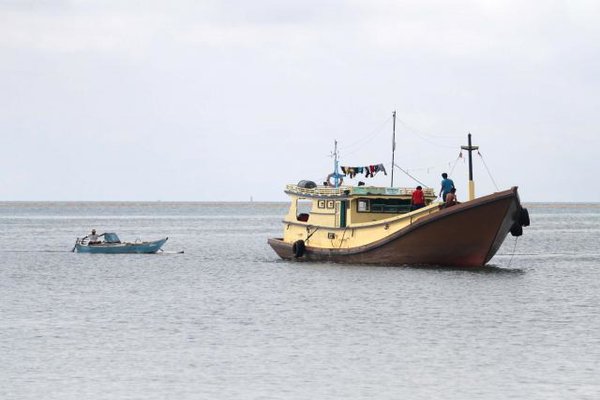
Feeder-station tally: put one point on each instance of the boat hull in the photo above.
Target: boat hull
(465, 235)
(122, 248)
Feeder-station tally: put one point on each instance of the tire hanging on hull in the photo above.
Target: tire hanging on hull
(516, 230)
(524, 217)
(298, 248)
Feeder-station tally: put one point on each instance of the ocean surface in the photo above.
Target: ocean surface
(229, 320)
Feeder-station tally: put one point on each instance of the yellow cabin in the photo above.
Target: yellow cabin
(347, 216)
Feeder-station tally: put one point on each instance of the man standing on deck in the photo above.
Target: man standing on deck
(418, 199)
(447, 185)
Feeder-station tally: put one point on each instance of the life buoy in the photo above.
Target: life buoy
(524, 217)
(332, 175)
(298, 248)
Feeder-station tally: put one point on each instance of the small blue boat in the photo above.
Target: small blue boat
(113, 245)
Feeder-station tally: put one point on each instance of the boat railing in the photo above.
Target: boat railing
(355, 190)
(319, 190)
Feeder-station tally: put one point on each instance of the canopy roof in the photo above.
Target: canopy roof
(111, 237)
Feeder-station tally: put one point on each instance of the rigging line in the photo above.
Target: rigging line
(369, 137)
(455, 162)
(407, 125)
(488, 170)
(424, 138)
(313, 232)
(410, 176)
(437, 167)
(513, 252)
(342, 240)
(446, 146)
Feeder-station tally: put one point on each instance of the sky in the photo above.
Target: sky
(231, 100)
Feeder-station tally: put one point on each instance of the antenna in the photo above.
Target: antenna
(393, 145)
(336, 176)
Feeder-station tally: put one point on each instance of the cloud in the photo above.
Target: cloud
(458, 29)
(272, 83)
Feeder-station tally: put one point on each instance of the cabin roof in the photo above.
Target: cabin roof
(354, 191)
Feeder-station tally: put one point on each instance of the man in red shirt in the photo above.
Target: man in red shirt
(418, 199)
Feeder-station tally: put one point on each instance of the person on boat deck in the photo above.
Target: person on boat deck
(418, 199)
(94, 239)
(447, 185)
(451, 198)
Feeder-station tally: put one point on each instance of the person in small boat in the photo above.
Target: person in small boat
(447, 185)
(94, 238)
(418, 199)
(451, 198)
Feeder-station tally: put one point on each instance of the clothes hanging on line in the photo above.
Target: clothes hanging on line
(352, 171)
(380, 168)
(369, 170)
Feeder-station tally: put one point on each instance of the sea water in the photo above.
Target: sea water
(229, 320)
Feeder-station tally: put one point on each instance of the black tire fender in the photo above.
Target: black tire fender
(516, 230)
(298, 248)
(524, 217)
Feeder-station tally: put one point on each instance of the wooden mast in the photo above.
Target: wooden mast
(470, 149)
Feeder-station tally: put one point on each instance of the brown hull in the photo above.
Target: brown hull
(466, 235)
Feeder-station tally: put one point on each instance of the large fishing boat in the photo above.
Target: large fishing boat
(378, 225)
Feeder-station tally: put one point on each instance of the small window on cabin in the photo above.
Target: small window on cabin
(303, 210)
(363, 205)
(321, 204)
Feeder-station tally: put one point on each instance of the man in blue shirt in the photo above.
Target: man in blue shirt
(447, 185)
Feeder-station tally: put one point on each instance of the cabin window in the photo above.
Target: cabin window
(321, 204)
(304, 206)
(303, 210)
(363, 205)
(385, 206)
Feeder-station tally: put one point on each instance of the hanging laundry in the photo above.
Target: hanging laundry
(380, 168)
(351, 171)
(369, 170)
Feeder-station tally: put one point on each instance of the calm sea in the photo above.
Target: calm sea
(229, 320)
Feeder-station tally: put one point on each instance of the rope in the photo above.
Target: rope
(513, 252)
(427, 169)
(367, 139)
(342, 240)
(410, 176)
(488, 171)
(455, 162)
(423, 135)
(313, 232)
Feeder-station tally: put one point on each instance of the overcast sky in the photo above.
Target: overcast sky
(228, 100)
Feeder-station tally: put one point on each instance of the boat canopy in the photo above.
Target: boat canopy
(111, 238)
